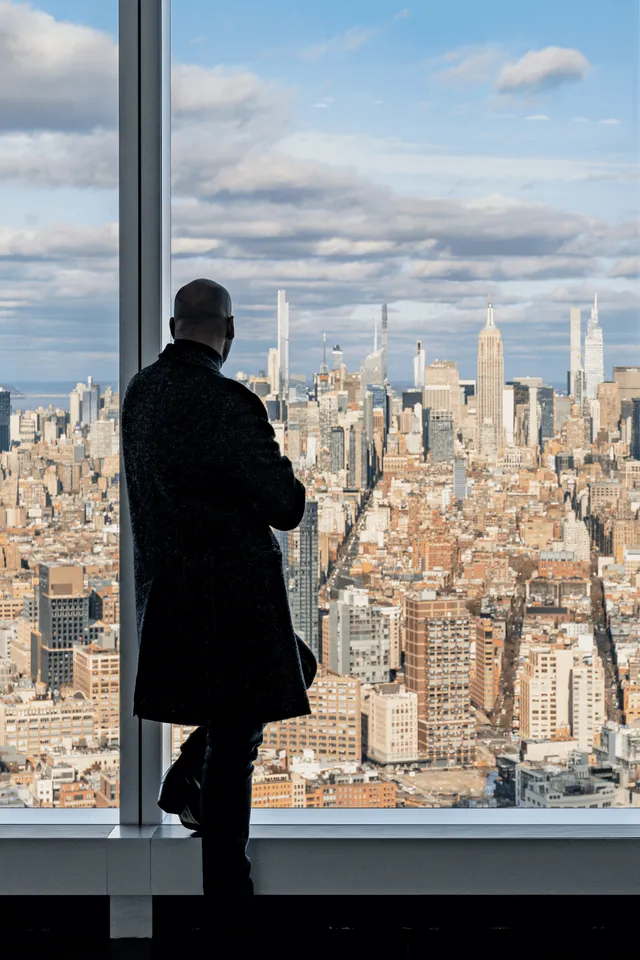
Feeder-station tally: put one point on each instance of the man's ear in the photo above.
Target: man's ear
(172, 328)
(230, 329)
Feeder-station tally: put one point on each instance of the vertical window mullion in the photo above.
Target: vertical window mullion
(144, 65)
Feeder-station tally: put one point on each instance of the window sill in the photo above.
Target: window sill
(362, 852)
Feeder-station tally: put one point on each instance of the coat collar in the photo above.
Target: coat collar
(192, 351)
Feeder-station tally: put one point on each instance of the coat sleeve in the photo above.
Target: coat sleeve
(257, 467)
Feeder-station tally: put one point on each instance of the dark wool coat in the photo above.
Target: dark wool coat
(206, 482)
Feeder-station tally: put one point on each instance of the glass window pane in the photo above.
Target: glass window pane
(429, 240)
(59, 419)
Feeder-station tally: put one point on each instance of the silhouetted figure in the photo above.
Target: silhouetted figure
(206, 482)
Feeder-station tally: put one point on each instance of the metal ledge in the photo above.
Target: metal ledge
(353, 858)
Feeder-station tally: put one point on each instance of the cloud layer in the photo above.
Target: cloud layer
(260, 206)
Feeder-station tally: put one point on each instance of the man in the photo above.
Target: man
(206, 482)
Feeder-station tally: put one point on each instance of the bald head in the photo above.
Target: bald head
(203, 312)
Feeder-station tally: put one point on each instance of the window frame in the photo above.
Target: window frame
(145, 306)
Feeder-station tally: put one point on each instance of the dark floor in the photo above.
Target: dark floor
(331, 928)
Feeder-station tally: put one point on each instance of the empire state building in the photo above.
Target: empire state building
(490, 387)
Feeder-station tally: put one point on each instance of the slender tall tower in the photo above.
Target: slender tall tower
(385, 343)
(323, 366)
(273, 370)
(5, 419)
(419, 366)
(593, 353)
(534, 426)
(490, 387)
(283, 346)
(575, 351)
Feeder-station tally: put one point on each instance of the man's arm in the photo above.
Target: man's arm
(257, 467)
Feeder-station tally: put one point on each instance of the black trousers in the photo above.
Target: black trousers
(225, 806)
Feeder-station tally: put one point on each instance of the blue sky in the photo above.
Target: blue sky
(349, 152)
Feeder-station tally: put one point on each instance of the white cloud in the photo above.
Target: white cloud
(390, 159)
(403, 14)
(59, 242)
(220, 92)
(58, 76)
(629, 267)
(611, 121)
(352, 39)
(537, 116)
(476, 66)
(54, 159)
(356, 37)
(543, 69)
(580, 120)
(325, 103)
(506, 268)
(54, 74)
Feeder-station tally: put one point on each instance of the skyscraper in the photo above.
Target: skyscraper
(84, 402)
(438, 665)
(628, 380)
(575, 351)
(459, 479)
(593, 353)
(533, 437)
(438, 435)
(283, 346)
(490, 386)
(411, 397)
(546, 401)
(586, 698)
(358, 466)
(63, 623)
(635, 429)
(444, 374)
(385, 343)
(336, 353)
(508, 413)
(300, 564)
(360, 637)
(419, 364)
(610, 408)
(484, 688)
(371, 372)
(337, 449)
(323, 366)
(562, 693)
(273, 370)
(5, 419)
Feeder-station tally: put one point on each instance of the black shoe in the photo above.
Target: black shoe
(180, 786)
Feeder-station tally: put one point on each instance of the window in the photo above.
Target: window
(472, 554)
(59, 461)
(411, 229)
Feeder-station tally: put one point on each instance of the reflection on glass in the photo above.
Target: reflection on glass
(59, 411)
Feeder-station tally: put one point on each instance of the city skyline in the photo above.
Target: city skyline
(279, 370)
(373, 157)
(461, 644)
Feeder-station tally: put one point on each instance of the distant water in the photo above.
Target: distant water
(31, 394)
